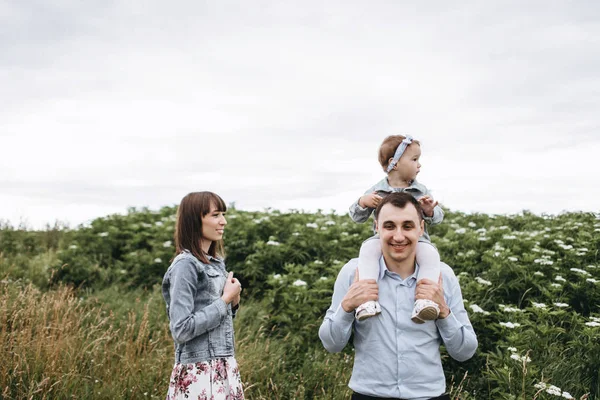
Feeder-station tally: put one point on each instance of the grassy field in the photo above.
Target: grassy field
(81, 315)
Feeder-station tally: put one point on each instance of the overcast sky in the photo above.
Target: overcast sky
(283, 104)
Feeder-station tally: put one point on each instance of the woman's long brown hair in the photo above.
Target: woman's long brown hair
(188, 228)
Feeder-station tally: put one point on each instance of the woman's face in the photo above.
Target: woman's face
(213, 225)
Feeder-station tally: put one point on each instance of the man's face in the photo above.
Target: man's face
(399, 231)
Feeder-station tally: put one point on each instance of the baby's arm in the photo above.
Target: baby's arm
(433, 213)
(361, 210)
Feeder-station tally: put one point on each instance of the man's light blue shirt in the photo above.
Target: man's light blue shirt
(395, 357)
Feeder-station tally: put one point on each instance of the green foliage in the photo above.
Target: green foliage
(531, 285)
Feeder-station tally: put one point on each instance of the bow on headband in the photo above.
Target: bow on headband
(399, 150)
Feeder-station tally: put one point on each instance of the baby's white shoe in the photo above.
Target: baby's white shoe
(425, 310)
(367, 310)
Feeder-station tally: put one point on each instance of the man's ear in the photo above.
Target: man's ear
(376, 226)
(422, 227)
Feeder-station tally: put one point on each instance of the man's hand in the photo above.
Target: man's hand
(427, 289)
(370, 200)
(360, 292)
(427, 204)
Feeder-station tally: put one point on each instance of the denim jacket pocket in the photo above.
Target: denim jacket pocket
(216, 281)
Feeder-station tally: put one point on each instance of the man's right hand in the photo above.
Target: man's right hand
(370, 200)
(360, 292)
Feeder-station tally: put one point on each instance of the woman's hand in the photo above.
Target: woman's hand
(232, 290)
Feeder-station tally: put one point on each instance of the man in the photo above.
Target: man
(394, 357)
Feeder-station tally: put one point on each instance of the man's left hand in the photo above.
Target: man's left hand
(427, 289)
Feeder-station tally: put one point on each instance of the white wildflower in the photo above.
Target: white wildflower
(567, 395)
(472, 224)
(580, 271)
(512, 349)
(519, 358)
(336, 262)
(483, 238)
(318, 262)
(543, 261)
(73, 246)
(511, 309)
(323, 228)
(556, 285)
(312, 225)
(168, 243)
(538, 273)
(330, 222)
(299, 282)
(560, 278)
(296, 234)
(591, 280)
(553, 390)
(538, 305)
(277, 276)
(483, 281)
(157, 260)
(510, 325)
(460, 231)
(561, 305)
(592, 323)
(159, 223)
(103, 234)
(273, 243)
(323, 278)
(476, 309)
(513, 259)
(509, 237)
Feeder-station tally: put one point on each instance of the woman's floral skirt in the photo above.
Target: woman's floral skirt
(217, 379)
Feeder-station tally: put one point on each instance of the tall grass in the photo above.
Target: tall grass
(63, 344)
(55, 346)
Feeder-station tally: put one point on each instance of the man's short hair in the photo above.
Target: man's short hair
(400, 200)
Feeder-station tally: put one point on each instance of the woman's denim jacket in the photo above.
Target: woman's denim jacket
(201, 322)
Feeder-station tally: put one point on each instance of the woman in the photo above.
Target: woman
(202, 299)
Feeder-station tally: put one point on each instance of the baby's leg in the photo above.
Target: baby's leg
(368, 259)
(428, 259)
(368, 268)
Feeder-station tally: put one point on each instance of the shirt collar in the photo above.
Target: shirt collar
(409, 279)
